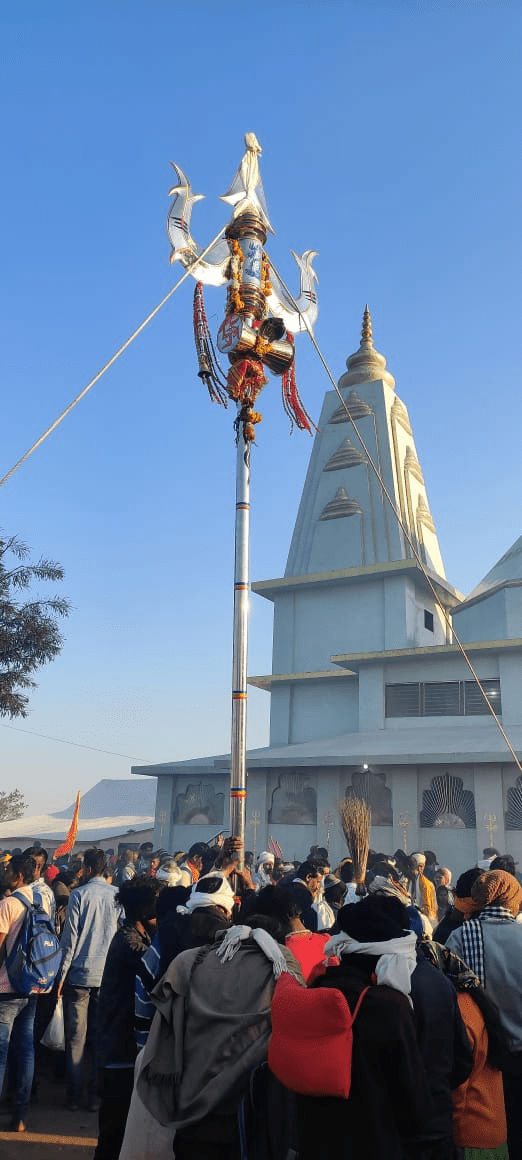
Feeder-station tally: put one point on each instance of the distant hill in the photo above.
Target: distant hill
(111, 798)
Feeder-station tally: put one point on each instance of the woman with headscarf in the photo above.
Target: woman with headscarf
(479, 1120)
(491, 944)
(389, 1098)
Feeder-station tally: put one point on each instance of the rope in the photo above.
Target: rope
(111, 361)
(77, 744)
(401, 523)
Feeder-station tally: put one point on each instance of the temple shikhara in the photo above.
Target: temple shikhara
(369, 692)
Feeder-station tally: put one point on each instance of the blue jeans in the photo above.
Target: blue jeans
(17, 1022)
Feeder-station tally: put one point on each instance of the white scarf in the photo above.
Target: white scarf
(396, 963)
(235, 935)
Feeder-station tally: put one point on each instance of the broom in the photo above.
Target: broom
(356, 820)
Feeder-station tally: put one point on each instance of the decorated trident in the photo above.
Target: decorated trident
(261, 317)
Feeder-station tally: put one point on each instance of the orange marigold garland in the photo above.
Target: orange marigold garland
(266, 284)
(234, 301)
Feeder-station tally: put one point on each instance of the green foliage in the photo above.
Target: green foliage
(29, 633)
(12, 805)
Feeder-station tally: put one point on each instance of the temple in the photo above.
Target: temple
(370, 693)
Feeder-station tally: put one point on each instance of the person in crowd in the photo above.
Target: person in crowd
(442, 896)
(387, 882)
(144, 856)
(441, 1035)
(127, 868)
(318, 854)
(305, 888)
(431, 866)
(115, 1043)
(50, 873)
(488, 854)
(479, 1118)
(306, 946)
(443, 878)
(463, 905)
(212, 1030)
(491, 944)
(323, 910)
(504, 862)
(183, 923)
(43, 895)
(335, 893)
(421, 889)
(153, 863)
(192, 867)
(90, 924)
(171, 937)
(62, 885)
(40, 886)
(168, 873)
(264, 875)
(17, 1012)
(344, 871)
(389, 1097)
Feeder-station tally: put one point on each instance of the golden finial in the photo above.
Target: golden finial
(366, 331)
(366, 365)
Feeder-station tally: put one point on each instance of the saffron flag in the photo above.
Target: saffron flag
(67, 846)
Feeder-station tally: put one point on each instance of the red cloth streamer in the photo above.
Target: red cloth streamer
(67, 846)
(292, 401)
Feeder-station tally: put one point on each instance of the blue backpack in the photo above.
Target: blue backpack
(33, 962)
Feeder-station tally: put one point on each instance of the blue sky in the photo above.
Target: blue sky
(391, 144)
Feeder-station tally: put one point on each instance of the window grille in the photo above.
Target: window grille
(442, 699)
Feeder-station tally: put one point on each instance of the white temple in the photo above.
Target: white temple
(369, 692)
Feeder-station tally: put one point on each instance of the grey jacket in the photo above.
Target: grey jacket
(503, 971)
(91, 922)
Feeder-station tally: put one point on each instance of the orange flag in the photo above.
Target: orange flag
(67, 846)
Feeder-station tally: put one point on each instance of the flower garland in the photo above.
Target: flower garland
(234, 301)
(266, 285)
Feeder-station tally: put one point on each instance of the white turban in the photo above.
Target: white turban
(224, 896)
(266, 856)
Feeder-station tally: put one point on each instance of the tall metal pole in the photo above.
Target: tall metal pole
(240, 644)
(256, 334)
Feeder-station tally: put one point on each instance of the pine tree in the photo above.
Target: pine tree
(29, 632)
(12, 805)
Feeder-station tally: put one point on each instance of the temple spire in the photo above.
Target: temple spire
(366, 329)
(366, 365)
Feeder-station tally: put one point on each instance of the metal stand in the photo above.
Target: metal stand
(240, 645)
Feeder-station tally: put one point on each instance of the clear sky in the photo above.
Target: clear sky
(391, 144)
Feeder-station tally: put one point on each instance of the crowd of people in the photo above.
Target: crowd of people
(172, 972)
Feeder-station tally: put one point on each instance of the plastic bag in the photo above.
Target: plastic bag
(54, 1034)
